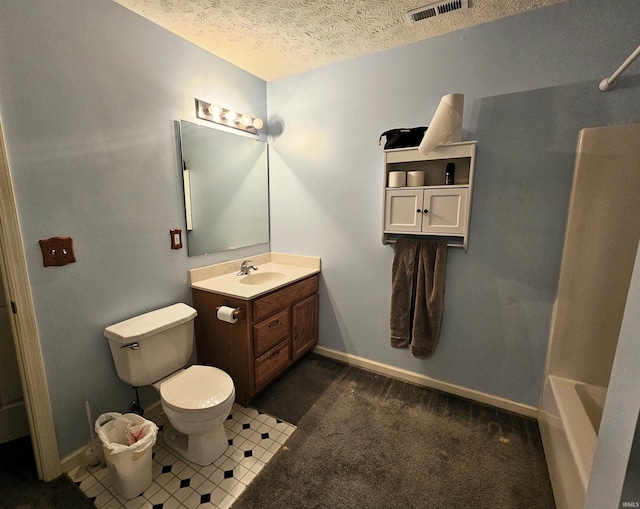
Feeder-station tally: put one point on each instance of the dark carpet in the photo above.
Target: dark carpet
(367, 441)
(20, 487)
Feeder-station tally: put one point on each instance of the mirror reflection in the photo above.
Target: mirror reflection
(226, 189)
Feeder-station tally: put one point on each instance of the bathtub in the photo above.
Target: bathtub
(569, 419)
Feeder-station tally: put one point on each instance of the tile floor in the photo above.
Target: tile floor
(254, 438)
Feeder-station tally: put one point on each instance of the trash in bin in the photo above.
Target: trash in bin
(127, 441)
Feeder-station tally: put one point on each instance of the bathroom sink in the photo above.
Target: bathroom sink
(260, 278)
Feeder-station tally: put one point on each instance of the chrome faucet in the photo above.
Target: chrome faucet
(245, 268)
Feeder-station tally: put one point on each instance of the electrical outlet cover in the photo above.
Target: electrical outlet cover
(176, 238)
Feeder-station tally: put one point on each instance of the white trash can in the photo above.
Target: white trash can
(127, 443)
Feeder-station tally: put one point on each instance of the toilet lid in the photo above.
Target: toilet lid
(197, 387)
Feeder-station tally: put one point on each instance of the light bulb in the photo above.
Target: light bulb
(258, 123)
(214, 110)
(246, 120)
(230, 115)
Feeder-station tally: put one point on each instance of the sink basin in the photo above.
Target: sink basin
(261, 278)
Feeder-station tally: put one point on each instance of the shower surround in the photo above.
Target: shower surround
(601, 242)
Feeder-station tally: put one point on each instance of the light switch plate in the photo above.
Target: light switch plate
(57, 251)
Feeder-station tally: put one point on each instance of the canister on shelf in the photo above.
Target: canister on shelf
(450, 174)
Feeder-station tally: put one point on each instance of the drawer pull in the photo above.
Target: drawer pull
(274, 323)
(274, 354)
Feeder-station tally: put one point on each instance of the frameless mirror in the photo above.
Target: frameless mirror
(226, 189)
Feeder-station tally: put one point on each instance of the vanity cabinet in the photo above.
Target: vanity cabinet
(273, 331)
(433, 209)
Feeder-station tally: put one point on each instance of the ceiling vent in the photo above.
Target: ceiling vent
(437, 9)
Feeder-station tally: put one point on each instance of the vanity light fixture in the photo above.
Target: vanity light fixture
(227, 117)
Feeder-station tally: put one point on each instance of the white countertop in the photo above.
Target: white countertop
(275, 270)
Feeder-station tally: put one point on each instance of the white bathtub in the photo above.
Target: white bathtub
(569, 421)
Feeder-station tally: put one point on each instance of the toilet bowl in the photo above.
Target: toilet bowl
(153, 349)
(197, 400)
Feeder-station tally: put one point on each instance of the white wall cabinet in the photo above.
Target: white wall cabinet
(440, 211)
(434, 209)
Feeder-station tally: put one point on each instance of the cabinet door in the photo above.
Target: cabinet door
(305, 325)
(403, 210)
(445, 211)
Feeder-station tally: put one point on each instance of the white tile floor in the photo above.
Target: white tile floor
(254, 438)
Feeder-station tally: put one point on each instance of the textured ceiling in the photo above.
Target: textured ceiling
(276, 38)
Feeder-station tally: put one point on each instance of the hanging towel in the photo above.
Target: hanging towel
(429, 297)
(417, 294)
(403, 276)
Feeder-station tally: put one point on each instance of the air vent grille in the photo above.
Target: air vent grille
(437, 9)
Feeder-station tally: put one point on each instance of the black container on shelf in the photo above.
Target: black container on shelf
(450, 174)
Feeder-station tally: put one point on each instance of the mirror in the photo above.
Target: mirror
(226, 189)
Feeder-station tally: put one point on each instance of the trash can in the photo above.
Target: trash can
(127, 443)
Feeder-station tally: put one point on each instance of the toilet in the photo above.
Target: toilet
(154, 349)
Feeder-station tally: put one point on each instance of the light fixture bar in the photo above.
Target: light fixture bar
(227, 117)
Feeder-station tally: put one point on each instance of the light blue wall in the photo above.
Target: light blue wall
(89, 93)
(530, 84)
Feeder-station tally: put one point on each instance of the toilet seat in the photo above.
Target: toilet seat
(197, 388)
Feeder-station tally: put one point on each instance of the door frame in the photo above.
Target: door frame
(24, 327)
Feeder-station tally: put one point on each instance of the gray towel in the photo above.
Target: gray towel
(429, 298)
(405, 260)
(417, 294)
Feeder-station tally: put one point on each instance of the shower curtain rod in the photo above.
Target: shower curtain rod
(610, 82)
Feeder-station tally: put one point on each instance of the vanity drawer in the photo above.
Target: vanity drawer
(283, 298)
(271, 363)
(270, 332)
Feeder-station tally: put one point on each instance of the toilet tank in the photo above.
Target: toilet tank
(149, 347)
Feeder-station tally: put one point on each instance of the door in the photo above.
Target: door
(305, 325)
(13, 268)
(445, 211)
(13, 415)
(403, 211)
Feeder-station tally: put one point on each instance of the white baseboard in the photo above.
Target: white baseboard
(73, 460)
(419, 379)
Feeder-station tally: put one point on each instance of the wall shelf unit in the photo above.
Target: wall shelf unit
(433, 209)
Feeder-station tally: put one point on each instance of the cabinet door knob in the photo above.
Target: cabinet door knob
(418, 211)
(426, 211)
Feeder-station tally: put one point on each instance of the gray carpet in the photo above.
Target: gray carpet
(20, 487)
(368, 441)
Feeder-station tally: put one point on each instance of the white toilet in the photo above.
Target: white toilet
(153, 349)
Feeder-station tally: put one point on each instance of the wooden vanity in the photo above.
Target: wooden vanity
(273, 331)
